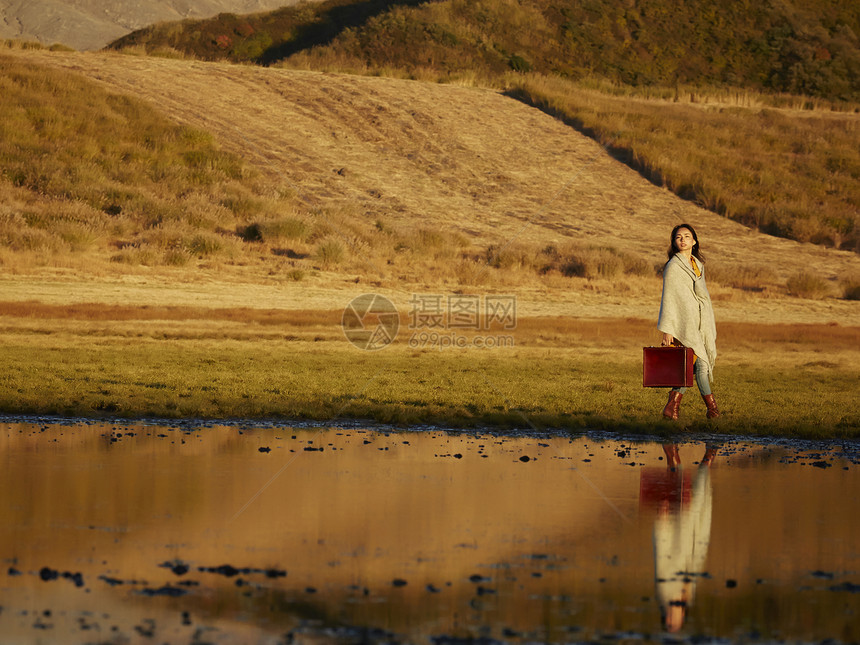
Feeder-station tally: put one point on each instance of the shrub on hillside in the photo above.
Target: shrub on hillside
(851, 288)
(751, 277)
(287, 228)
(510, 256)
(593, 262)
(204, 244)
(805, 284)
(330, 252)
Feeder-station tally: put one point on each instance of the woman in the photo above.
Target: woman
(687, 316)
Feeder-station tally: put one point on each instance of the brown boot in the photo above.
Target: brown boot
(713, 412)
(672, 407)
(673, 457)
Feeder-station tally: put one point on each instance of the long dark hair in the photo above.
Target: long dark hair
(673, 249)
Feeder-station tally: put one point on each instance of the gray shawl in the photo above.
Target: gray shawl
(686, 311)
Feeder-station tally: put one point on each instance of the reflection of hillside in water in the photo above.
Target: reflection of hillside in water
(479, 539)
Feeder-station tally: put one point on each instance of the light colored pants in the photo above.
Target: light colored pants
(700, 369)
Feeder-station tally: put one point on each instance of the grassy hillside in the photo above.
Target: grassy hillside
(780, 172)
(787, 173)
(89, 175)
(300, 172)
(808, 48)
(87, 172)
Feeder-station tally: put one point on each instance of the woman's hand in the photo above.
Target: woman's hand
(667, 340)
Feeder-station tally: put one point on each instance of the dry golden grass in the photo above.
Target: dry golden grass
(101, 312)
(397, 152)
(398, 187)
(529, 331)
(788, 172)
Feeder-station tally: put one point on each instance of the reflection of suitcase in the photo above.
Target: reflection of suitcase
(667, 366)
(660, 485)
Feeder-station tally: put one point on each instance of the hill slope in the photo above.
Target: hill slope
(445, 158)
(795, 178)
(807, 48)
(92, 24)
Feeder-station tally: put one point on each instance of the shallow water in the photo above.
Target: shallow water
(223, 534)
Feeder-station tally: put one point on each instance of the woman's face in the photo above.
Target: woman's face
(684, 241)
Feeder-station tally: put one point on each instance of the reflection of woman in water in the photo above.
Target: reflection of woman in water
(686, 315)
(682, 532)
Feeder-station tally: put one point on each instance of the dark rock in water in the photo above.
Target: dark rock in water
(731, 583)
(453, 640)
(824, 575)
(483, 591)
(478, 578)
(310, 590)
(177, 567)
(147, 630)
(46, 573)
(821, 464)
(525, 458)
(433, 589)
(399, 582)
(77, 578)
(458, 456)
(224, 570)
(13, 572)
(275, 573)
(264, 449)
(113, 582)
(850, 587)
(186, 618)
(167, 590)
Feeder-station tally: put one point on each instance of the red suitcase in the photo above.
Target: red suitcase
(667, 367)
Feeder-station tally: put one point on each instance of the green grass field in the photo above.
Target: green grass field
(774, 383)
